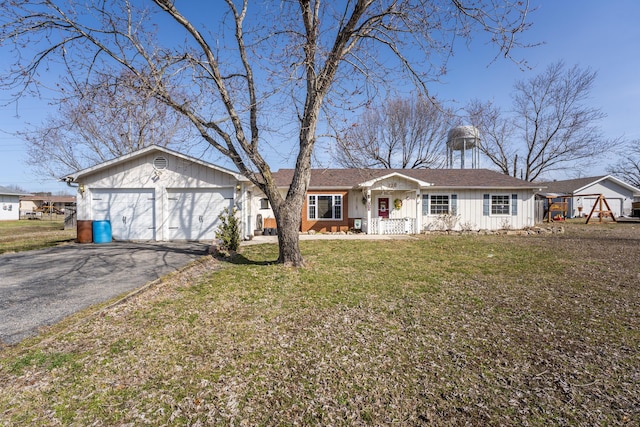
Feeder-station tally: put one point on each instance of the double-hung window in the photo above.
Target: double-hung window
(500, 204)
(439, 204)
(324, 206)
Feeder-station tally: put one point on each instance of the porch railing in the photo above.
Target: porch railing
(393, 226)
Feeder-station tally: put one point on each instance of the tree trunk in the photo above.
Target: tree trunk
(288, 219)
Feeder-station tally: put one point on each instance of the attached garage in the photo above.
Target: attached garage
(158, 194)
(193, 213)
(130, 211)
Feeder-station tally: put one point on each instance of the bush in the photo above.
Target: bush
(228, 232)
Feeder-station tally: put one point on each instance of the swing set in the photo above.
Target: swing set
(562, 207)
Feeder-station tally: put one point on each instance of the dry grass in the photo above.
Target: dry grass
(25, 235)
(443, 330)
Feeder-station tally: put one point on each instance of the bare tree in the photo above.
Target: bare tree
(102, 120)
(550, 127)
(254, 68)
(628, 168)
(17, 188)
(497, 133)
(399, 134)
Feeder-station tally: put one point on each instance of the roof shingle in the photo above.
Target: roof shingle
(570, 185)
(450, 178)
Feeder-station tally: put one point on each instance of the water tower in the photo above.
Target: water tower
(463, 139)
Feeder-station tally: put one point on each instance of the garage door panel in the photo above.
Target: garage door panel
(131, 212)
(193, 214)
(615, 204)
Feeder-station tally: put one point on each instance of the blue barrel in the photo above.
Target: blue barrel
(102, 231)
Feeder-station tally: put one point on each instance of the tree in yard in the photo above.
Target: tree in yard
(550, 127)
(102, 120)
(400, 134)
(628, 168)
(256, 69)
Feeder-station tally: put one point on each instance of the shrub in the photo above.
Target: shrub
(228, 231)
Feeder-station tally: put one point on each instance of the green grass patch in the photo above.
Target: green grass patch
(25, 235)
(441, 330)
(40, 360)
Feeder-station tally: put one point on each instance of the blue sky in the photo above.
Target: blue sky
(603, 36)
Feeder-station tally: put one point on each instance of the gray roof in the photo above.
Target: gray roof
(447, 178)
(573, 186)
(568, 186)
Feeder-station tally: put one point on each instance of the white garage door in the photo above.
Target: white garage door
(193, 214)
(131, 212)
(615, 203)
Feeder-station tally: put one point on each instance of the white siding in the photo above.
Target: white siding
(256, 211)
(139, 173)
(618, 198)
(357, 205)
(470, 210)
(9, 207)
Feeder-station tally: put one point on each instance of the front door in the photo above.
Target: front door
(383, 207)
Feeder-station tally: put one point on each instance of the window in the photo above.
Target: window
(439, 205)
(264, 203)
(321, 206)
(500, 205)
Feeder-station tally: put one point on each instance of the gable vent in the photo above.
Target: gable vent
(160, 162)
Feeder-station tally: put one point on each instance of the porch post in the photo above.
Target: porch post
(418, 212)
(369, 225)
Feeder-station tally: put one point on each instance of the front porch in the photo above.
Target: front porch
(393, 205)
(393, 226)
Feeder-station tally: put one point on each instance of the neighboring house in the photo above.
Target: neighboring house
(46, 202)
(159, 194)
(9, 204)
(399, 201)
(581, 194)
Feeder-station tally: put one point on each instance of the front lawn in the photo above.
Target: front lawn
(441, 330)
(25, 235)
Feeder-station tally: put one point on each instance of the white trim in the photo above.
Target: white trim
(491, 196)
(333, 206)
(631, 188)
(75, 176)
(370, 183)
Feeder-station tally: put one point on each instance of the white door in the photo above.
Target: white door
(193, 214)
(130, 211)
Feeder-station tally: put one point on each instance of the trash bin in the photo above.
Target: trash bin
(84, 231)
(102, 231)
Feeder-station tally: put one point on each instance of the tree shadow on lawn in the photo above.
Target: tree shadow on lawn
(240, 259)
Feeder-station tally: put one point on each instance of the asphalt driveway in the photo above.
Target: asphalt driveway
(40, 288)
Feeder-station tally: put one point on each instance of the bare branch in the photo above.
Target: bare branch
(400, 134)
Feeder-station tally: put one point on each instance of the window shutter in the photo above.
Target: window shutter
(514, 204)
(454, 204)
(425, 204)
(485, 205)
